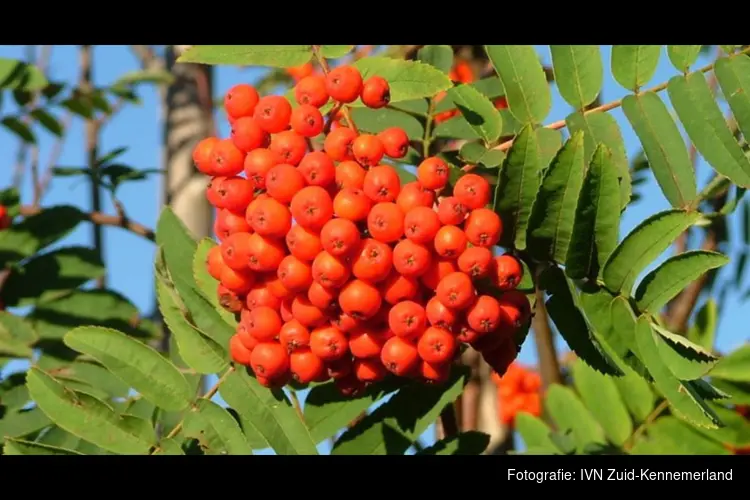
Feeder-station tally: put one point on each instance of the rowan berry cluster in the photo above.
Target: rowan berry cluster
(518, 390)
(337, 269)
(5, 220)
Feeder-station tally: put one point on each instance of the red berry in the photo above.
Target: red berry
(344, 83)
(311, 90)
(376, 93)
(273, 113)
(241, 100)
(307, 121)
(395, 142)
(247, 135)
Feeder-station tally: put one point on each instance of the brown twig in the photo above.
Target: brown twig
(54, 156)
(324, 66)
(549, 365)
(101, 219)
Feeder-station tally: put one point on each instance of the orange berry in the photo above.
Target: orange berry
(372, 260)
(301, 71)
(399, 356)
(367, 150)
(306, 120)
(440, 316)
(228, 299)
(344, 322)
(436, 346)
(257, 164)
(369, 370)
(241, 101)
(412, 195)
(312, 207)
(321, 297)
(376, 93)
(385, 222)
(247, 135)
(265, 254)
(364, 342)
(263, 323)
(294, 274)
(240, 354)
(202, 155)
(360, 299)
(318, 169)
(238, 282)
(472, 191)
(305, 366)
(484, 314)
(273, 113)
(466, 334)
(395, 142)
(421, 225)
(303, 244)
(226, 158)
(290, 146)
(396, 288)
(349, 174)
(270, 218)
(451, 211)
(228, 222)
(382, 184)
(328, 343)
(306, 313)
(411, 259)
(455, 291)
(439, 269)
(352, 204)
(433, 373)
(450, 242)
(269, 359)
(338, 144)
(330, 271)
(433, 173)
(311, 90)
(483, 227)
(214, 262)
(339, 237)
(344, 83)
(508, 272)
(476, 262)
(235, 250)
(260, 295)
(232, 193)
(283, 182)
(407, 319)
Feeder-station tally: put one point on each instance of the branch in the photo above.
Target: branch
(101, 219)
(549, 365)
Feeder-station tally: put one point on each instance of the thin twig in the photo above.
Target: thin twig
(296, 405)
(644, 425)
(102, 219)
(324, 66)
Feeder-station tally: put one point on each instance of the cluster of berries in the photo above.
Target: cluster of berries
(337, 269)
(518, 390)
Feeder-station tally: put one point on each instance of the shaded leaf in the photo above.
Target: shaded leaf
(478, 111)
(490, 87)
(84, 416)
(683, 56)
(13, 393)
(520, 177)
(736, 432)
(16, 74)
(215, 429)
(569, 414)
(51, 275)
(683, 398)
(579, 73)
(636, 394)
(704, 123)
(137, 364)
(335, 51)
(439, 56)
(99, 377)
(600, 395)
(160, 76)
(465, 443)
(19, 128)
(169, 446)
(633, 66)
(669, 436)
(686, 361)
(535, 433)
(407, 79)
(733, 75)
(703, 330)
(643, 245)
(206, 284)
(21, 447)
(552, 217)
(377, 120)
(596, 225)
(664, 147)
(275, 56)
(269, 413)
(735, 366)
(739, 392)
(80, 105)
(23, 423)
(664, 283)
(48, 121)
(458, 128)
(38, 231)
(521, 73)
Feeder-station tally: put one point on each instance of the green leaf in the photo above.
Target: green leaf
(735, 366)
(393, 426)
(269, 413)
(478, 111)
(683, 56)
(643, 245)
(23, 423)
(215, 429)
(19, 128)
(596, 224)
(197, 350)
(48, 121)
(565, 311)
(206, 284)
(13, 393)
(686, 361)
(21, 447)
(17, 327)
(664, 147)
(550, 142)
(458, 128)
(439, 56)
(80, 105)
(99, 377)
(491, 87)
(476, 154)
(465, 443)
(275, 56)
(84, 416)
(169, 446)
(736, 432)
(407, 79)
(535, 433)
(159, 76)
(520, 177)
(374, 121)
(14, 348)
(733, 75)
(48, 276)
(633, 66)
(38, 231)
(570, 415)
(526, 88)
(664, 283)
(553, 214)
(703, 330)
(636, 394)
(335, 51)
(704, 123)
(104, 308)
(137, 364)
(600, 395)
(327, 411)
(682, 397)
(602, 128)
(670, 436)
(16, 74)
(179, 249)
(579, 73)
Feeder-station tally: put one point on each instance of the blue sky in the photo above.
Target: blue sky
(130, 257)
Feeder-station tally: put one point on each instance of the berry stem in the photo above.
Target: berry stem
(102, 220)
(296, 405)
(612, 105)
(427, 140)
(648, 421)
(326, 69)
